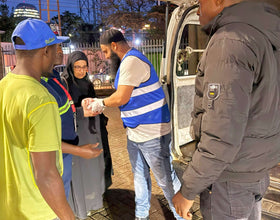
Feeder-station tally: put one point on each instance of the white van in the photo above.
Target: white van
(185, 43)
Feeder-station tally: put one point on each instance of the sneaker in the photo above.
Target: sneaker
(147, 218)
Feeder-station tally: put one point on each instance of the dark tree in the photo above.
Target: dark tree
(74, 26)
(71, 24)
(89, 33)
(156, 20)
(134, 15)
(7, 22)
(127, 14)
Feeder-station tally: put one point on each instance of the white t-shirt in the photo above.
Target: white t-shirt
(133, 72)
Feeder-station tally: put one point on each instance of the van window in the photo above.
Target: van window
(193, 38)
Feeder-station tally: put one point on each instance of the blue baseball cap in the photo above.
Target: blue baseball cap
(35, 34)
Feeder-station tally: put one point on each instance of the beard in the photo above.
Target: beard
(115, 62)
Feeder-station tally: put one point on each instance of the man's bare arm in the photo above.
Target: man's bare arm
(120, 97)
(86, 151)
(50, 183)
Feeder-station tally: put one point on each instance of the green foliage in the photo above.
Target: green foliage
(89, 33)
(134, 15)
(4, 10)
(156, 19)
(155, 59)
(7, 22)
(128, 13)
(74, 26)
(70, 24)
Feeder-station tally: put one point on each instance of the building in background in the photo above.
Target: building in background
(25, 10)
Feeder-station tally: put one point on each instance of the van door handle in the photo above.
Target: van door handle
(190, 50)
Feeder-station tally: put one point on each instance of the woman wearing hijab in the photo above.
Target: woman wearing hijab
(90, 177)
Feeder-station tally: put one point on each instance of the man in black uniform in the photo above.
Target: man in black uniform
(236, 119)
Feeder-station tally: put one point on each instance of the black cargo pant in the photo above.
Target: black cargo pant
(233, 200)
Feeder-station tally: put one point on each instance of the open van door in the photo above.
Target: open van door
(185, 43)
(184, 46)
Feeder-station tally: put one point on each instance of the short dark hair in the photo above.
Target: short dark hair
(110, 36)
(24, 53)
(18, 41)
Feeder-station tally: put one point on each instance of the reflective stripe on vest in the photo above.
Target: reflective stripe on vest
(143, 110)
(146, 89)
(67, 94)
(63, 109)
(147, 104)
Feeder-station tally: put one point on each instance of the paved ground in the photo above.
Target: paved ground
(119, 199)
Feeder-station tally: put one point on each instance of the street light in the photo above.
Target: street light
(138, 41)
(147, 26)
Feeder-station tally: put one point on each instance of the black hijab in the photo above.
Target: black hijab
(78, 88)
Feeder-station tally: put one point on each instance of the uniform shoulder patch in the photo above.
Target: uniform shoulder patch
(213, 91)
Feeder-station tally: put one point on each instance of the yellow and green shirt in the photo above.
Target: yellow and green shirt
(29, 122)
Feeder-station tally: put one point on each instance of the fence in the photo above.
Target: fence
(97, 62)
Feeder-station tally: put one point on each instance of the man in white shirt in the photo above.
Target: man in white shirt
(145, 114)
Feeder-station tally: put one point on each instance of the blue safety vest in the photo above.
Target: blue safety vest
(66, 106)
(147, 104)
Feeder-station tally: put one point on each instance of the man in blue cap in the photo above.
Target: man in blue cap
(30, 131)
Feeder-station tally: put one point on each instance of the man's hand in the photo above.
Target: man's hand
(89, 151)
(86, 151)
(182, 205)
(97, 106)
(87, 111)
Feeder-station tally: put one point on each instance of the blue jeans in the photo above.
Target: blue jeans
(154, 154)
(67, 173)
